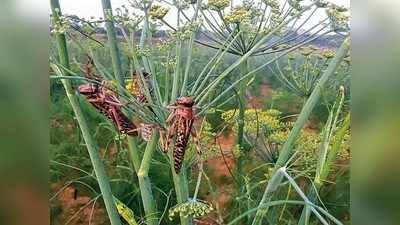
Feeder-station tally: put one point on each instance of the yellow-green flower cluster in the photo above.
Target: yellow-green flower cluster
(338, 18)
(274, 4)
(164, 46)
(275, 12)
(328, 53)
(207, 137)
(218, 4)
(194, 208)
(61, 26)
(142, 51)
(186, 31)
(131, 86)
(158, 12)
(306, 51)
(307, 145)
(238, 15)
(295, 4)
(344, 153)
(253, 118)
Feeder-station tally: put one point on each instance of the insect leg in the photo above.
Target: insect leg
(113, 103)
(170, 135)
(196, 141)
(170, 117)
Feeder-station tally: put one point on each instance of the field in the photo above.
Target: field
(244, 121)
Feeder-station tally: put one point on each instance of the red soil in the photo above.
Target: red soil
(258, 101)
(70, 202)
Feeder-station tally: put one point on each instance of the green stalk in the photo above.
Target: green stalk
(143, 167)
(112, 41)
(188, 62)
(182, 192)
(304, 197)
(144, 35)
(286, 150)
(237, 82)
(190, 51)
(277, 179)
(209, 89)
(90, 143)
(180, 180)
(181, 188)
(217, 58)
(144, 180)
(240, 123)
(177, 74)
(335, 147)
(148, 60)
(133, 150)
(242, 105)
(324, 172)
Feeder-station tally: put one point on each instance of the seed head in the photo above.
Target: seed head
(194, 208)
(158, 12)
(218, 4)
(238, 15)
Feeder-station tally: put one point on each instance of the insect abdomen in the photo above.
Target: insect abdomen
(180, 145)
(127, 126)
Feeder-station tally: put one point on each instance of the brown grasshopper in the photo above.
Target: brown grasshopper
(105, 100)
(181, 126)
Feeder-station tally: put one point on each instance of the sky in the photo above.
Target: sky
(89, 8)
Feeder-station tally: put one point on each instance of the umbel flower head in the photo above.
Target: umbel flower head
(194, 208)
(158, 11)
(328, 53)
(61, 26)
(238, 15)
(274, 4)
(218, 4)
(306, 51)
(338, 19)
(295, 4)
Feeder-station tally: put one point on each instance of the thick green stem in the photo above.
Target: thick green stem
(286, 150)
(133, 151)
(242, 106)
(180, 180)
(182, 191)
(144, 181)
(240, 134)
(112, 41)
(142, 169)
(98, 166)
